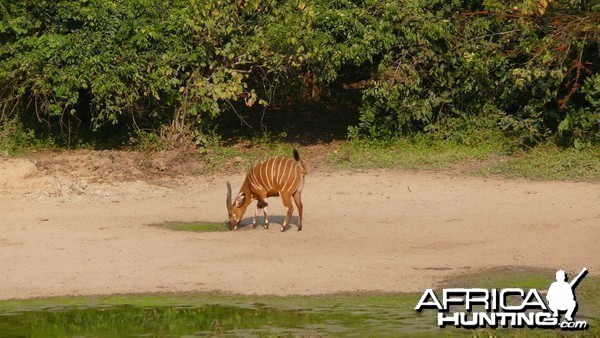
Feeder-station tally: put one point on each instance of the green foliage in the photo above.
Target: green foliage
(580, 126)
(519, 66)
(15, 138)
(528, 68)
(147, 141)
(176, 64)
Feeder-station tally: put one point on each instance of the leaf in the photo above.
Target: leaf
(563, 126)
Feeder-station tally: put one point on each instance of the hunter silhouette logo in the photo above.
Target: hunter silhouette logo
(561, 295)
(510, 307)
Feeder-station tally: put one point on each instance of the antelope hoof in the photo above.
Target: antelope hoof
(253, 225)
(235, 227)
(267, 226)
(299, 228)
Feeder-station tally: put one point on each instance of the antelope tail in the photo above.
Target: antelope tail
(301, 161)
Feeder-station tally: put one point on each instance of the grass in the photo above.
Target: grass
(325, 315)
(410, 154)
(492, 157)
(549, 163)
(194, 226)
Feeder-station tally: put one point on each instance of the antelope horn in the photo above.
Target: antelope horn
(228, 197)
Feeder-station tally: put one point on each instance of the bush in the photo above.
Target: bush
(175, 64)
(519, 66)
(15, 138)
(91, 67)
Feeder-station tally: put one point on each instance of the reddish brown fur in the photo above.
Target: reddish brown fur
(276, 176)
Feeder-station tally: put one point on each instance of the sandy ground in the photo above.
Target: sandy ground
(390, 231)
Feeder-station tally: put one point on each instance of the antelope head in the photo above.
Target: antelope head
(236, 209)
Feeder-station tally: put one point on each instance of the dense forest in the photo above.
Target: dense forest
(89, 68)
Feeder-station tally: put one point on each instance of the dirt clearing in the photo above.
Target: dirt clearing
(67, 232)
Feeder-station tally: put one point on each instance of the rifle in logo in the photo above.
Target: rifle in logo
(561, 295)
(480, 308)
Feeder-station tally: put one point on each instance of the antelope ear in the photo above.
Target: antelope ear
(239, 200)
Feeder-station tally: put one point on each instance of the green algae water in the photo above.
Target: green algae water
(200, 316)
(128, 320)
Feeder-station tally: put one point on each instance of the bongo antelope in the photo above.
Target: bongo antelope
(276, 176)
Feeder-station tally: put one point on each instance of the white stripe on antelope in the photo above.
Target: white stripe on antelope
(277, 176)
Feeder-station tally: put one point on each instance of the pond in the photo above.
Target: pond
(192, 316)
